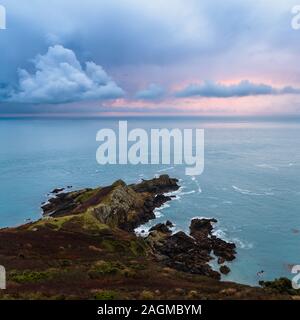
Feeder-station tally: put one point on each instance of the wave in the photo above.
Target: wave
(188, 192)
(251, 193)
(221, 233)
(166, 169)
(276, 168)
(197, 184)
(267, 166)
(227, 202)
(242, 245)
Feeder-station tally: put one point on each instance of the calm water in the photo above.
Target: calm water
(250, 183)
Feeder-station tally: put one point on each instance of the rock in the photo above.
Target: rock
(179, 291)
(94, 248)
(221, 260)
(57, 190)
(119, 205)
(224, 269)
(201, 230)
(159, 185)
(169, 224)
(193, 294)
(161, 227)
(183, 253)
(191, 253)
(229, 291)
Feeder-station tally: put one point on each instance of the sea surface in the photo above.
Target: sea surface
(251, 181)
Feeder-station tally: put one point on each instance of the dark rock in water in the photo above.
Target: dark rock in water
(224, 269)
(184, 254)
(160, 199)
(161, 227)
(57, 190)
(159, 185)
(192, 253)
(199, 225)
(221, 260)
(201, 230)
(169, 224)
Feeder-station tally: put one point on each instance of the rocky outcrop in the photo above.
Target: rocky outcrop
(201, 230)
(119, 205)
(191, 253)
(160, 185)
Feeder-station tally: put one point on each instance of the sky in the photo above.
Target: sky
(185, 57)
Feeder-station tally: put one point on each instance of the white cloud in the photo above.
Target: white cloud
(60, 78)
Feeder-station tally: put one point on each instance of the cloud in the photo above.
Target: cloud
(60, 78)
(244, 88)
(153, 92)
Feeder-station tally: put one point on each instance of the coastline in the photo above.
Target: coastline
(87, 240)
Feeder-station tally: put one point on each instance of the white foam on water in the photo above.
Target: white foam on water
(267, 166)
(142, 231)
(222, 234)
(251, 193)
(188, 192)
(242, 244)
(227, 202)
(166, 169)
(193, 178)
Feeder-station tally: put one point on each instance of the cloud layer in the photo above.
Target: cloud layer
(60, 78)
(139, 42)
(153, 92)
(245, 88)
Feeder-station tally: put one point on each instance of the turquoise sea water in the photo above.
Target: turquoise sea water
(250, 183)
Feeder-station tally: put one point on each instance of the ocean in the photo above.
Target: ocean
(250, 183)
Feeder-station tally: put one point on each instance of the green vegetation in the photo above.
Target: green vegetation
(87, 195)
(102, 268)
(30, 276)
(281, 285)
(106, 295)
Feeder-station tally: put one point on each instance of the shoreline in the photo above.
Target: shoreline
(87, 240)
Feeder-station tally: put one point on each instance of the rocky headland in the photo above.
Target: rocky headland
(85, 247)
